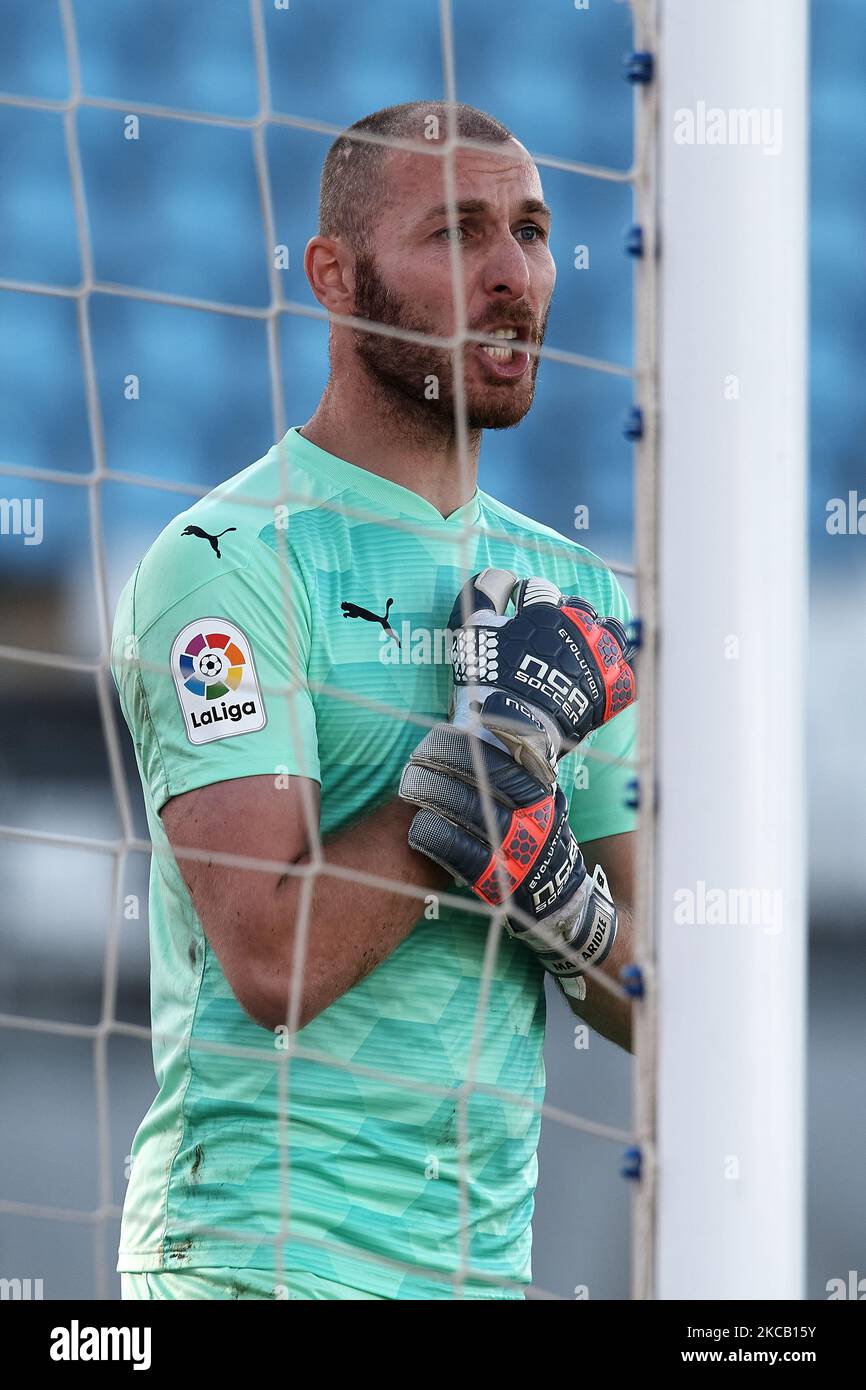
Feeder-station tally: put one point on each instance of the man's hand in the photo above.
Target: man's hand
(518, 846)
(527, 690)
(539, 681)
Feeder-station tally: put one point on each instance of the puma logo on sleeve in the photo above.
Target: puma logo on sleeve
(205, 536)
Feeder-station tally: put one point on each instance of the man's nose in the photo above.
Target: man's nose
(506, 273)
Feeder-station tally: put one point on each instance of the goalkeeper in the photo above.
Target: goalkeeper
(349, 1083)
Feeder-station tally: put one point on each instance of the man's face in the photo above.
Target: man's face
(405, 280)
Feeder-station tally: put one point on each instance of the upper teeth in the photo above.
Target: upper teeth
(503, 354)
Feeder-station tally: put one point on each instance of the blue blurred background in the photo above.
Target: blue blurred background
(176, 212)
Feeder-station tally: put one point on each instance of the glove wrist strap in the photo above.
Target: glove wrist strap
(580, 934)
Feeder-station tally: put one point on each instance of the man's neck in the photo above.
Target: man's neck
(373, 427)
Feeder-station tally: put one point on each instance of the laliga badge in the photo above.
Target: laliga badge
(216, 683)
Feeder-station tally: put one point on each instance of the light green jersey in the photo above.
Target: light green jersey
(235, 654)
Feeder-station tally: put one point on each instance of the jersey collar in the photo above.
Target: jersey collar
(389, 497)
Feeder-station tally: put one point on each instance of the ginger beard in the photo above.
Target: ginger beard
(496, 397)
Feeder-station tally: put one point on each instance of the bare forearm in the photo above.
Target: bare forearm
(343, 929)
(606, 1012)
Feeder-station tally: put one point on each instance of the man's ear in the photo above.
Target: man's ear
(330, 268)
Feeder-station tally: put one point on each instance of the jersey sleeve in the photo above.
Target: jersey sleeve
(215, 686)
(599, 804)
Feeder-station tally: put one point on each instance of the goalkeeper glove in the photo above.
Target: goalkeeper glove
(567, 918)
(539, 681)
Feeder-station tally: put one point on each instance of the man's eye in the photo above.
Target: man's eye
(537, 233)
(452, 233)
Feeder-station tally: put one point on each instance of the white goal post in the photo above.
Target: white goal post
(726, 440)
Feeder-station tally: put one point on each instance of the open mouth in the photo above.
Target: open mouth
(504, 361)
